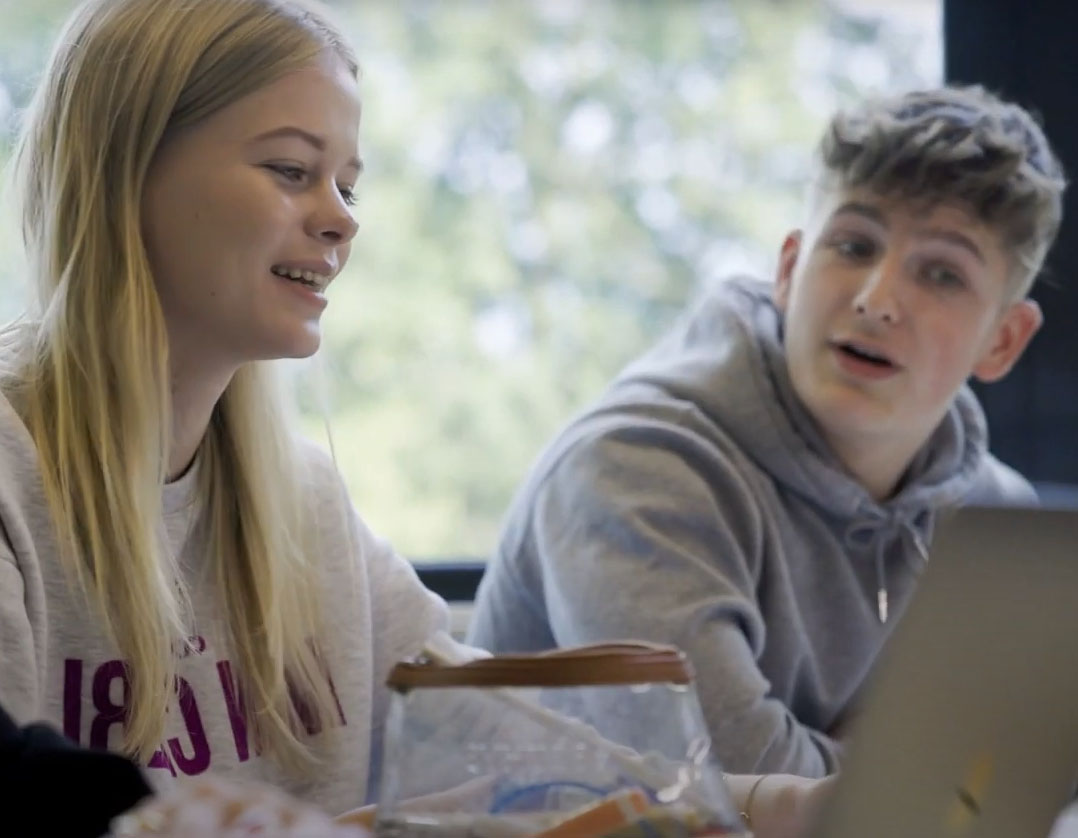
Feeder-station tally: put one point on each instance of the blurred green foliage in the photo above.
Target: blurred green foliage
(547, 183)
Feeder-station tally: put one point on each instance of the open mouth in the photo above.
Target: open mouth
(310, 279)
(861, 353)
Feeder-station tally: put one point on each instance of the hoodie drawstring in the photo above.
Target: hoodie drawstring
(876, 533)
(881, 582)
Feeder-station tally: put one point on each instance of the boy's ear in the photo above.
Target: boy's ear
(1013, 333)
(791, 247)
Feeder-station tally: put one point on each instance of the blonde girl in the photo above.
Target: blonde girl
(180, 578)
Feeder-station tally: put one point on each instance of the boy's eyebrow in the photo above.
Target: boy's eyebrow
(865, 210)
(311, 139)
(956, 238)
(877, 216)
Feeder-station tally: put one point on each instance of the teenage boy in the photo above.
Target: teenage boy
(760, 487)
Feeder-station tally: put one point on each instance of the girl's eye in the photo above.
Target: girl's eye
(293, 174)
(348, 195)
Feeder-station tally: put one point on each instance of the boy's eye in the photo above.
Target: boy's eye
(855, 247)
(348, 195)
(942, 276)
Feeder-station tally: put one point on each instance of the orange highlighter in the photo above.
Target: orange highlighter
(616, 810)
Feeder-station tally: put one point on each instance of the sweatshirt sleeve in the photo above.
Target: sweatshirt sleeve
(18, 659)
(641, 534)
(403, 615)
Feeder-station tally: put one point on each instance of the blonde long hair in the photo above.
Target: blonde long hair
(92, 375)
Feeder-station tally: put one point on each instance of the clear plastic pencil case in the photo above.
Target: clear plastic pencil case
(593, 742)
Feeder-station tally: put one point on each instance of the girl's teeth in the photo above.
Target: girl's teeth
(309, 277)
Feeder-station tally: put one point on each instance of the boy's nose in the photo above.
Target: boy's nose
(877, 297)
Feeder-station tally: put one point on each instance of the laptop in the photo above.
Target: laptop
(970, 723)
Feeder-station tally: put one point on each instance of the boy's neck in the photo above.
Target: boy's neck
(876, 464)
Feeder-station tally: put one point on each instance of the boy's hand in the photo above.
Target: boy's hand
(783, 806)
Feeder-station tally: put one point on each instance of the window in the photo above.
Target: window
(547, 183)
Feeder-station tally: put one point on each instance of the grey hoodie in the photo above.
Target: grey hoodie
(697, 504)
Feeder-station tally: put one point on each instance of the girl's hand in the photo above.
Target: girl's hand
(228, 809)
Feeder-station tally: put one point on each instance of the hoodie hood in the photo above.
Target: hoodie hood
(694, 503)
(727, 358)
